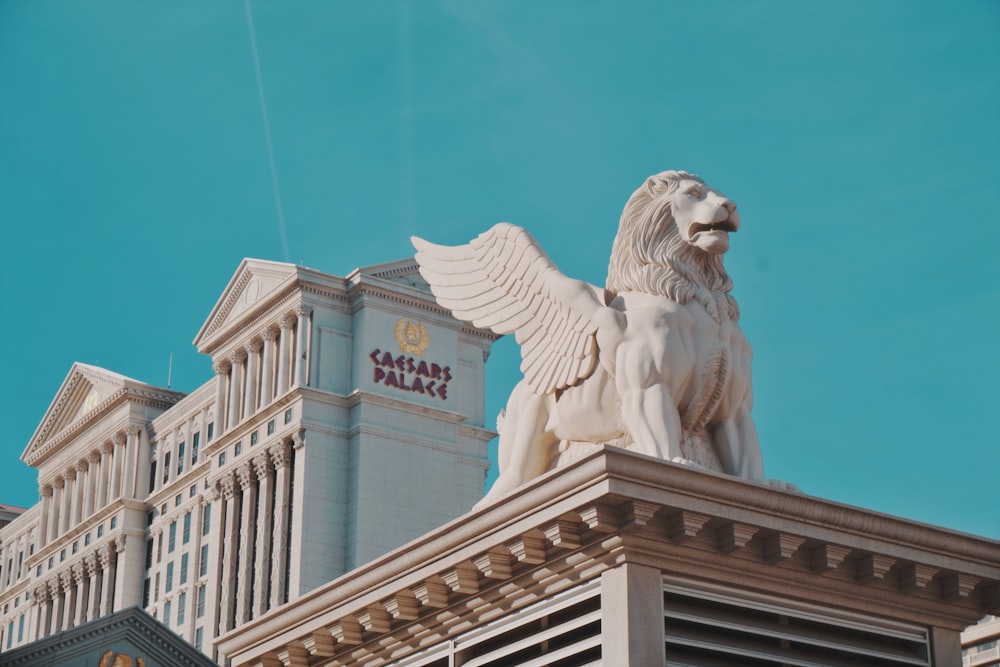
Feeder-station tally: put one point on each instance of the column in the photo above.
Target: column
(267, 367)
(632, 616)
(212, 591)
(55, 613)
(142, 460)
(107, 557)
(58, 483)
(131, 460)
(121, 571)
(230, 557)
(281, 457)
(93, 597)
(250, 382)
(236, 358)
(248, 483)
(66, 511)
(44, 602)
(38, 598)
(105, 476)
(263, 468)
(66, 579)
(221, 368)
(43, 520)
(302, 344)
(80, 580)
(93, 472)
(284, 344)
(80, 489)
(117, 463)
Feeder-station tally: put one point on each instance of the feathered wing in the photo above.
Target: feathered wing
(503, 281)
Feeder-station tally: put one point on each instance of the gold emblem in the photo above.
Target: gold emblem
(110, 659)
(412, 337)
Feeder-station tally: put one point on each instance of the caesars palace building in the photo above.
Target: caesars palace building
(309, 505)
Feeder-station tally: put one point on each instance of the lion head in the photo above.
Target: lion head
(671, 239)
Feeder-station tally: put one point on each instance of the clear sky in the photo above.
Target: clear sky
(861, 140)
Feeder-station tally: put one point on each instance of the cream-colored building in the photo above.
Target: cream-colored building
(981, 643)
(345, 418)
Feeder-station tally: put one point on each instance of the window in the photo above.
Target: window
(166, 614)
(114, 522)
(166, 467)
(145, 593)
(199, 636)
(203, 563)
(149, 553)
(201, 600)
(86, 540)
(184, 569)
(76, 546)
(222, 459)
(20, 629)
(211, 430)
(187, 529)
(159, 548)
(238, 448)
(177, 499)
(181, 603)
(170, 578)
(253, 438)
(100, 530)
(206, 519)
(172, 542)
(192, 491)
(156, 588)
(62, 555)
(150, 515)
(152, 476)
(38, 571)
(288, 416)
(10, 634)
(180, 458)
(194, 448)
(51, 561)
(270, 427)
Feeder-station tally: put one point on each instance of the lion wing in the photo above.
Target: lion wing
(503, 281)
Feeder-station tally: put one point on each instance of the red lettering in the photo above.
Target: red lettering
(390, 379)
(447, 373)
(435, 371)
(402, 383)
(443, 392)
(422, 369)
(379, 374)
(409, 365)
(374, 356)
(418, 385)
(430, 388)
(387, 360)
(401, 363)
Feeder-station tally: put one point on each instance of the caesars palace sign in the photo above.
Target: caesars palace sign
(407, 373)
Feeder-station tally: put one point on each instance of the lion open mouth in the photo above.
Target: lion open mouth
(724, 226)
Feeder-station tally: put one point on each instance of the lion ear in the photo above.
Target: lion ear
(655, 186)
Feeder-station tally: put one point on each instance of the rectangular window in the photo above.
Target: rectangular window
(206, 519)
(270, 427)
(187, 529)
(114, 522)
(201, 600)
(51, 561)
(145, 593)
(172, 542)
(149, 553)
(238, 448)
(166, 614)
(100, 530)
(159, 549)
(166, 467)
(152, 476)
(199, 636)
(76, 546)
(177, 499)
(62, 555)
(203, 563)
(10, 634)
(288, 416)
(20, 629)
(38, 571)
(194, 448)
(170, 578)
(181, 603)
(211, 430)
(253, 438)
(180, 458)
(156, 588)
(222, 459)
(86, 540)
(150, 515)
(192, 491)
(184, 569)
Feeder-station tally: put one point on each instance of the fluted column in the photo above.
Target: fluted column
(105, 477)
(44, 599)
(90, 494)
(236, 358)
(230, 556)
(80, 580)
(267, 367)
(55, 613)
(284, 353)
(248, 483)
(131, 462)
(117, 464)
(66, 511)
(93, 599)
(215, 544)
(58, 484)
(66, 582)
(80, 489)
(221, 368)
(43, 520)
(263, 467)
(250, 381)
(281, 457)
(107, 558)
(121, 571)
(301, 344)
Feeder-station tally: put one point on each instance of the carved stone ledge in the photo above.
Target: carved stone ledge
(403, 606)
(563, 533)
(600, 517)
(374, 619)
(781, 546)
(957, 585)
(463, 578)
(825, 557)
(912, 576)
(496, 564)
(347, 631)
(432, 593)
(682, 525)
(319, 643)
(639, 513)
(529, 548)
(870, 567)
(731, 536)
(293, 656)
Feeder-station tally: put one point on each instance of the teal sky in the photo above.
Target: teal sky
(861, 140)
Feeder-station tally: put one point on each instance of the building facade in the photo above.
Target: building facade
(345, 418)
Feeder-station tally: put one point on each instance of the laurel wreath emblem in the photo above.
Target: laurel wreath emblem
(412, 337)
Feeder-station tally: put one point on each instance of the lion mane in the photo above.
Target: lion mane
(651, 256)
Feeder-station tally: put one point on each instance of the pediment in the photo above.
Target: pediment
(402, 272)
(253, 284)
(85, 389)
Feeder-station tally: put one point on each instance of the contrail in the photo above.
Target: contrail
(267, 132)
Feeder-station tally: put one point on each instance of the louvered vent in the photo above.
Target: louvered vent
(563, 631)
(714, 630)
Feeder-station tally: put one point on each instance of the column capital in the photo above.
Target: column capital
(119, 439)
(104, 558)
(94, 457)
(133, 429)
(40, 594)
(227, 485)
(119, 544)
(287, 322)
(78, 573)
(269, 334)
(253, 345)
(82, 465)
(245, 475)
(45, 490)
(90, 562)
(299, 439)
(59, 482)
(237, 356)
(70, 473)
(107, 447)
(280, 453)
(303, 310)
(66, 580)
(221, 366)
(262, 465)
(54, 587)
